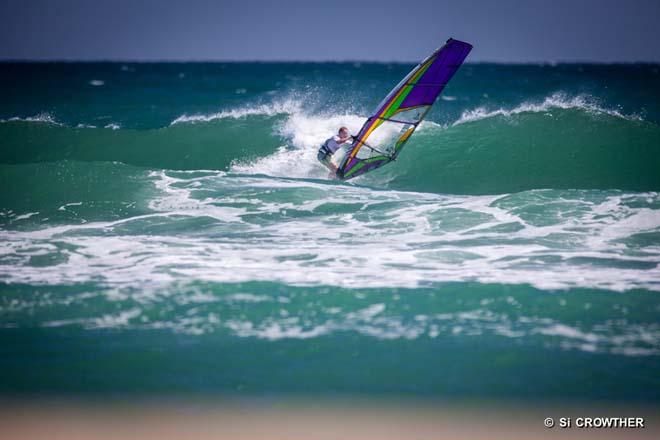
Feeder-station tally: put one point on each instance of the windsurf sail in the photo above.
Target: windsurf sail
(382, 137)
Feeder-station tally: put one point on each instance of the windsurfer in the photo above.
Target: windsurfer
(330, 147)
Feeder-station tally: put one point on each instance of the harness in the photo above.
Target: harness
(325, 149)
(324, 153)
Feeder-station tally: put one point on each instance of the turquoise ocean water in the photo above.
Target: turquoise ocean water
(166, 229)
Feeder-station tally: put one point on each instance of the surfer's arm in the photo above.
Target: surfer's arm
(350, 138)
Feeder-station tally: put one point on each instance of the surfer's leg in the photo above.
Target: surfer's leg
(327, 161)
(333, 169)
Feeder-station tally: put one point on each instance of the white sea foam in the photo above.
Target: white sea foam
(278, 107)
(41, 117)
(569, 332)
(275, 330)
(25, 216)
(305, 134)
(122, 319)
(368, 239)
(247, 297)
(278, 323)
(555, 101)
(272, 323)
(65, 206)
(617, 339)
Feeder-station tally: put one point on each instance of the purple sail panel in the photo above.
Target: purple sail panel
(428, 87)
(420, 96)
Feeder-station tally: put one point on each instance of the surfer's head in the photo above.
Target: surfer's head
(343, 132)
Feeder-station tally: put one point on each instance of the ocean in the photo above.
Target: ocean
(166, 229)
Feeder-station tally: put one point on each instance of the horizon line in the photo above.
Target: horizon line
(294, 61)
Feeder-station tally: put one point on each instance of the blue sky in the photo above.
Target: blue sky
(501, 31)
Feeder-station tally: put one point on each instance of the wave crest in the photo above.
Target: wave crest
(45, 118)
(285, 106)
(557, 100)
